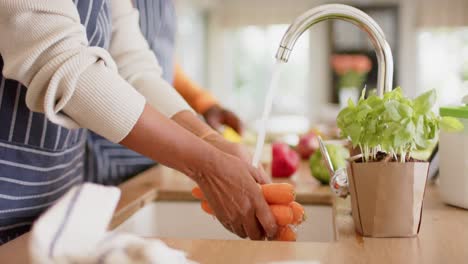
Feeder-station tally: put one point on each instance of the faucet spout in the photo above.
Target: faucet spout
(354, 16)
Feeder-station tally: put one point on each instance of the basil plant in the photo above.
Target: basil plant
(393, 124)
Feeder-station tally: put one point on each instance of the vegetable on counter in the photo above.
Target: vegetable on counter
(285, 161)
(280, 197)
(308, 145)
(338, 155)
(231, 135)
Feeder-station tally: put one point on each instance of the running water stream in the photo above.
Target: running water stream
(266, 112)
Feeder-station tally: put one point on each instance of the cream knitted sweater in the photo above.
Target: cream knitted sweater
(44, 46)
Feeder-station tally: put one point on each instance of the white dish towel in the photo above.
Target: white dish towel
(74, 230)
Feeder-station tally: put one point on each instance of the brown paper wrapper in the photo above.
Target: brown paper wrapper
(387, 197)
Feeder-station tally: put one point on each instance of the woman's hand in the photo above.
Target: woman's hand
(227, 181)
(236, 150)
(229, 186)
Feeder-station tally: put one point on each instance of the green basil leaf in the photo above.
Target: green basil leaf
(424, 102)
(391, 110)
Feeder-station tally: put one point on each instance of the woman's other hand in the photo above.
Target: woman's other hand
(217, 116)
(237, 150)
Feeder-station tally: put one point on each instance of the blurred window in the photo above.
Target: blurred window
(443, 63)
(251, 53)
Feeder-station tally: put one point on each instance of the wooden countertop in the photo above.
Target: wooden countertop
(442, 239)
(443, 236)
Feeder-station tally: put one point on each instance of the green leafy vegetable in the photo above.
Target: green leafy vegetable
(393, 124)
(338, 156)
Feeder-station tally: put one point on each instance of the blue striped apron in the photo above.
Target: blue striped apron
(40, 161)
(108, 163)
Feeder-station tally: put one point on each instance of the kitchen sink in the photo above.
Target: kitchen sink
(187, 220)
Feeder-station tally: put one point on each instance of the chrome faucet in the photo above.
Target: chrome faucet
(350, 14)
(339, 179)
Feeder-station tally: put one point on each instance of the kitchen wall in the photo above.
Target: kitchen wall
(221, 16)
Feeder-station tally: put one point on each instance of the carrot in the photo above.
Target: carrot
(206, 207)
(278, 193)
(197, 193)
(286, 233)
(298, 213)
(274, 193)
(282, 213)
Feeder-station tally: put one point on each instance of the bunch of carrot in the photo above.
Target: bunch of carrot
(280, 197)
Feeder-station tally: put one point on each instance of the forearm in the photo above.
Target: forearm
(192, 123)
(162, 139)
(197, 98)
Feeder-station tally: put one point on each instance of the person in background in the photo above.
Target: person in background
(111, 164)
(201, 101)
(158, 23)
(68, 68)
